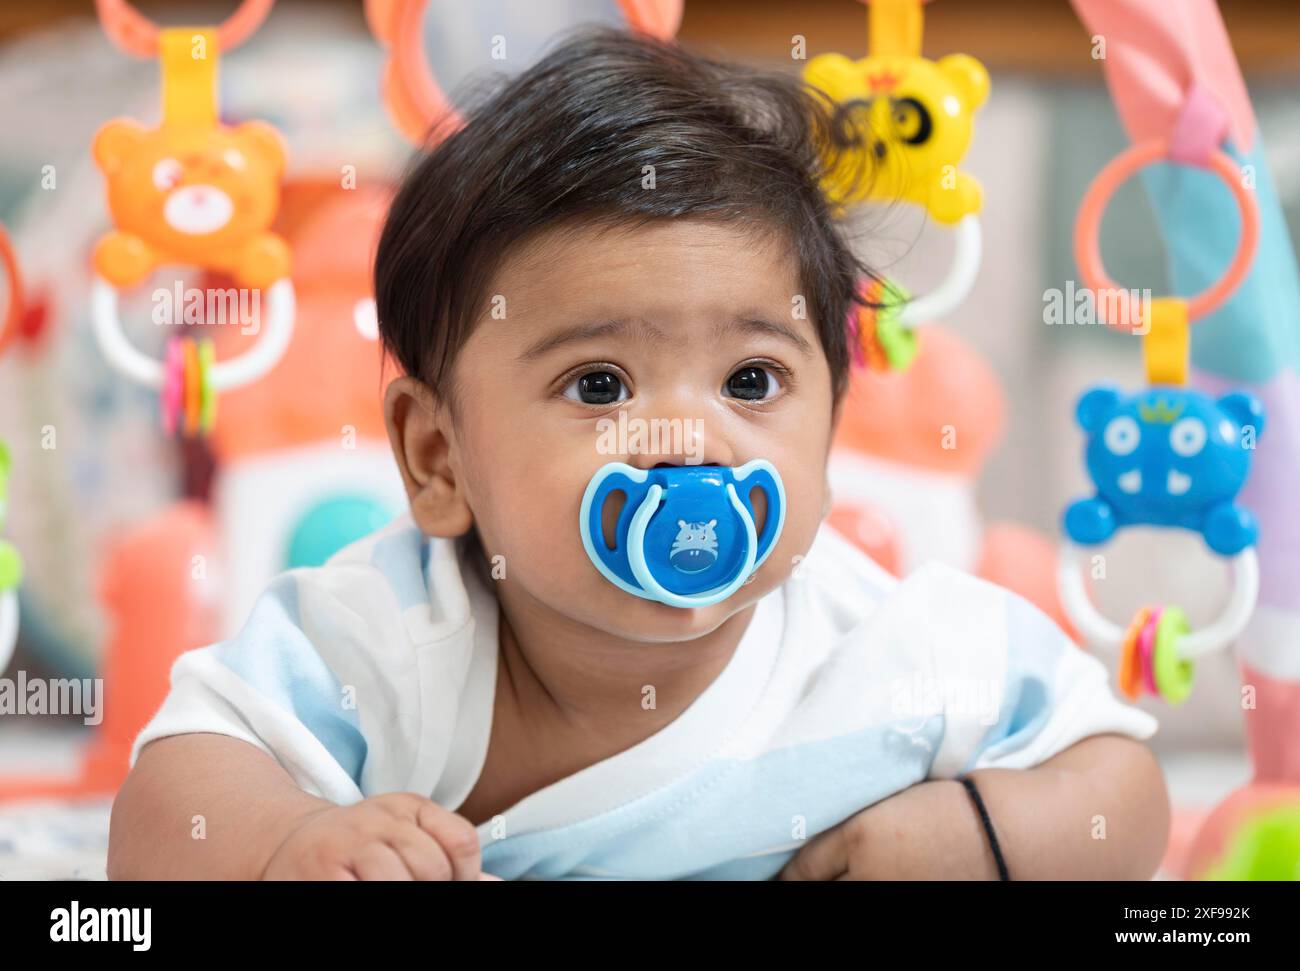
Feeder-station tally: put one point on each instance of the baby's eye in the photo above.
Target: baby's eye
(751, 383)
(596, 388)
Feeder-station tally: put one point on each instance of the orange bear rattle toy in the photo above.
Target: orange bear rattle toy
(197, 192)
(191, 190)
(181, 194)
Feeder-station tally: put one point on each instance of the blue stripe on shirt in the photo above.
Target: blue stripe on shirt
(1035, 646)
(274, 656)
(707, 825)
(402, 558)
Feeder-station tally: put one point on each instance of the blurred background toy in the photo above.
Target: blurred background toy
(1160, 60)
(924, 413)
(11, 564)
(414, 98)
(191, 190)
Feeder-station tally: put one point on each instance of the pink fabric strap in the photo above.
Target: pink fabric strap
(1201, 127)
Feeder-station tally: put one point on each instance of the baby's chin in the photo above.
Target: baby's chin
(628, 617)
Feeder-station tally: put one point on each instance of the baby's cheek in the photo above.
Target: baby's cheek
(805, 499)
(529, 516)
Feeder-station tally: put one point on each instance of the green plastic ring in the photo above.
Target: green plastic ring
(11, 566)
(897, 341)
(207, 394)
(1174, 675)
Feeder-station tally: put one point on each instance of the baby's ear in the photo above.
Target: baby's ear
(1095, 406)
(420, 434)
(968, 76)
(833, 73)
(1245, 409)
(115, 141)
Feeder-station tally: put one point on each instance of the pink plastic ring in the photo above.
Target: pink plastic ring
(1087, 248)
(173, 384)
(1146, 647)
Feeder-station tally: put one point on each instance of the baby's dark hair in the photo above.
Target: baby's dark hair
(568, 140)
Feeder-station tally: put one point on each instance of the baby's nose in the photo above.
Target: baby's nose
(655, 441)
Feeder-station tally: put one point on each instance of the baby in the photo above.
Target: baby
(581, 657)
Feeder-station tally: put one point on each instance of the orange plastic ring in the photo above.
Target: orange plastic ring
(193, 388)
(416, 102)
(138, 35)
(12, 315)
(1130, 670)
(1087, 248)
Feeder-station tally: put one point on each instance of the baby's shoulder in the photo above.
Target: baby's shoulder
(397, 580)
(837, 581)
(834, 568)
(369, 612)
(935, 607)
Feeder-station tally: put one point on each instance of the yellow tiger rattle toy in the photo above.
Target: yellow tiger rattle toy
(906, 122)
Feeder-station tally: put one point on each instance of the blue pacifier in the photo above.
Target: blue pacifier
(685, 534)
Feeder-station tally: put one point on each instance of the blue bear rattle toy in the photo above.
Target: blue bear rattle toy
(685, 535)
(1167, 456)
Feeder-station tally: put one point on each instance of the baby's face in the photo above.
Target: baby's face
(683, 325)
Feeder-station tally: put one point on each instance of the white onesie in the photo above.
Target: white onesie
(376, 673)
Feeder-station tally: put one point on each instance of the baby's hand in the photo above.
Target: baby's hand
(396, 836)
(927, 832)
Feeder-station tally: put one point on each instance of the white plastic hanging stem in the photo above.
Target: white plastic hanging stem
(226, 375)
(956, 286)
(1222, 632)
(8, 626)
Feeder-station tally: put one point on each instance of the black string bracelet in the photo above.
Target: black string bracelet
(988, 826)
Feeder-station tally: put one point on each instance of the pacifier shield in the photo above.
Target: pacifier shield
(686, 534)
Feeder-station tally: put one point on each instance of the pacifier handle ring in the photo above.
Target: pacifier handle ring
(1096, 628)
(137, 35)
(957, 285)
(8, 626)
(240, 370)
(772, 526)
(1087, 247)
(654, 590)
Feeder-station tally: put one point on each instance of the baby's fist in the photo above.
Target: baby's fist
(396, 836)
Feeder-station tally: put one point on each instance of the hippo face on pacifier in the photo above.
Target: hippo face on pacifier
(686, 536)
(696, 546)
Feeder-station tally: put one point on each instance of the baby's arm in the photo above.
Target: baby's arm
(205, 806)
(1097, 810)
(1058, 760)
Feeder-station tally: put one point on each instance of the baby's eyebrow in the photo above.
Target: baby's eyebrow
(762, 325)
(646, 331)
(583, 332)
